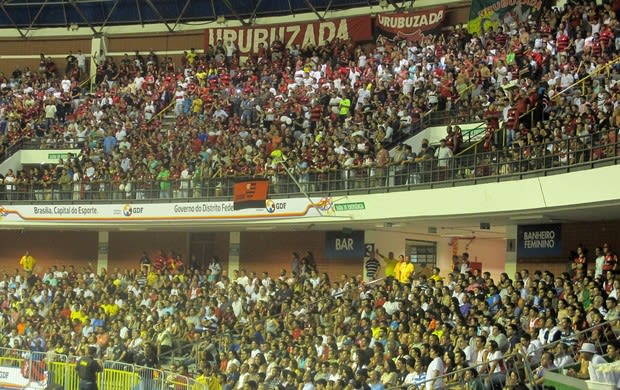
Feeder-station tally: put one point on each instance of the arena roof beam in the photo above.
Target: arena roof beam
(36, 16)
(253, 17)
(314, 10)
(176, 23)
(105, 22)
(235, 14)
(139, 13)
(152, 6)
(329, 5)
(396, 7)
(81, 14)
(10, 18)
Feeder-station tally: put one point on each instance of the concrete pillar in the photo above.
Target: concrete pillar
(234, 245)
(511, 250)
(98, 43)
(103, 246)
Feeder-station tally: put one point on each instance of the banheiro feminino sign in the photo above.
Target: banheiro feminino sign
(539, 240)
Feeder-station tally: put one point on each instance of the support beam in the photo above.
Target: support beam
(139, 13)
(105, 22)
(234, 12)
(396, 7)
(181, 14)
(64, 13)
(163, 20)
(36, 16)
(309, 4)
(329, 5)
(8, 16)
(213, 10)
(255, 11)
(79, 11)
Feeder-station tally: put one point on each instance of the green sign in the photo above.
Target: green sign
(493, 13)
(350, 206)
(56, 156)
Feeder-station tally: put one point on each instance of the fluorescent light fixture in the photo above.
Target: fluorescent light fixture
(259, 228)
(527, 217)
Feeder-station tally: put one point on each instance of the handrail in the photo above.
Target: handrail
(518, 354)
(88, 80)
(162, 111)
(555, 96)
(566, 155)
(61, 373)
(473, 145)
(596, 71)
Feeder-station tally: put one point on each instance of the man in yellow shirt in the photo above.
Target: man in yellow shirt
(435, 276)
(27, 262)
(406, 270)
(390, 263)
(398, 268)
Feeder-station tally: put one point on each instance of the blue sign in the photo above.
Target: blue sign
(539, 240)
(345, 245)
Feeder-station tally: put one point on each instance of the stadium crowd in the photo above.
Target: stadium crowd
(326, 113)
(300, 329)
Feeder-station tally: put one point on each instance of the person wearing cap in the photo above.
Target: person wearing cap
(87, 369)
(589, 359)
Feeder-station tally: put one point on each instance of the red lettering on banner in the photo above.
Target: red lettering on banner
(248, 39)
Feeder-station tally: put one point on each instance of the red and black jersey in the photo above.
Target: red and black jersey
(562, 41)
(511, 122)
(501, 39)
(597, 48)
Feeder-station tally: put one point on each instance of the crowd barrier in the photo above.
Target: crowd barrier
(575, 153)
(35, 370)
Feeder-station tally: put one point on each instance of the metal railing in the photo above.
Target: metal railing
(524, 364)
(39, 370)
(576, 153)
(581, 82)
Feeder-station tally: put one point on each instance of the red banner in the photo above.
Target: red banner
(411, 23)
(250, 194)
(249, 38)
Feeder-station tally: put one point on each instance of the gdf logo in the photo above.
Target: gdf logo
(128, 211)
(271, 206)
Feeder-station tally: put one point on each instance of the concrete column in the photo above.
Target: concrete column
(103, 246)
(98, 43)
(511, 250)
(234, 245)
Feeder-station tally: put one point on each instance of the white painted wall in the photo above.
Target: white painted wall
(433, 135)
(22, 157)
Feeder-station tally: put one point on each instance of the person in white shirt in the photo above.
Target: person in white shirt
(530, 348)
(435, 369)
(598, 262)
(562, 356)
(589, 356)
(443, 154)
(496, 366)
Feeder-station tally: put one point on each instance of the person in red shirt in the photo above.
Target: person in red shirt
(580, 262)
(562, 41)
(610, 259)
